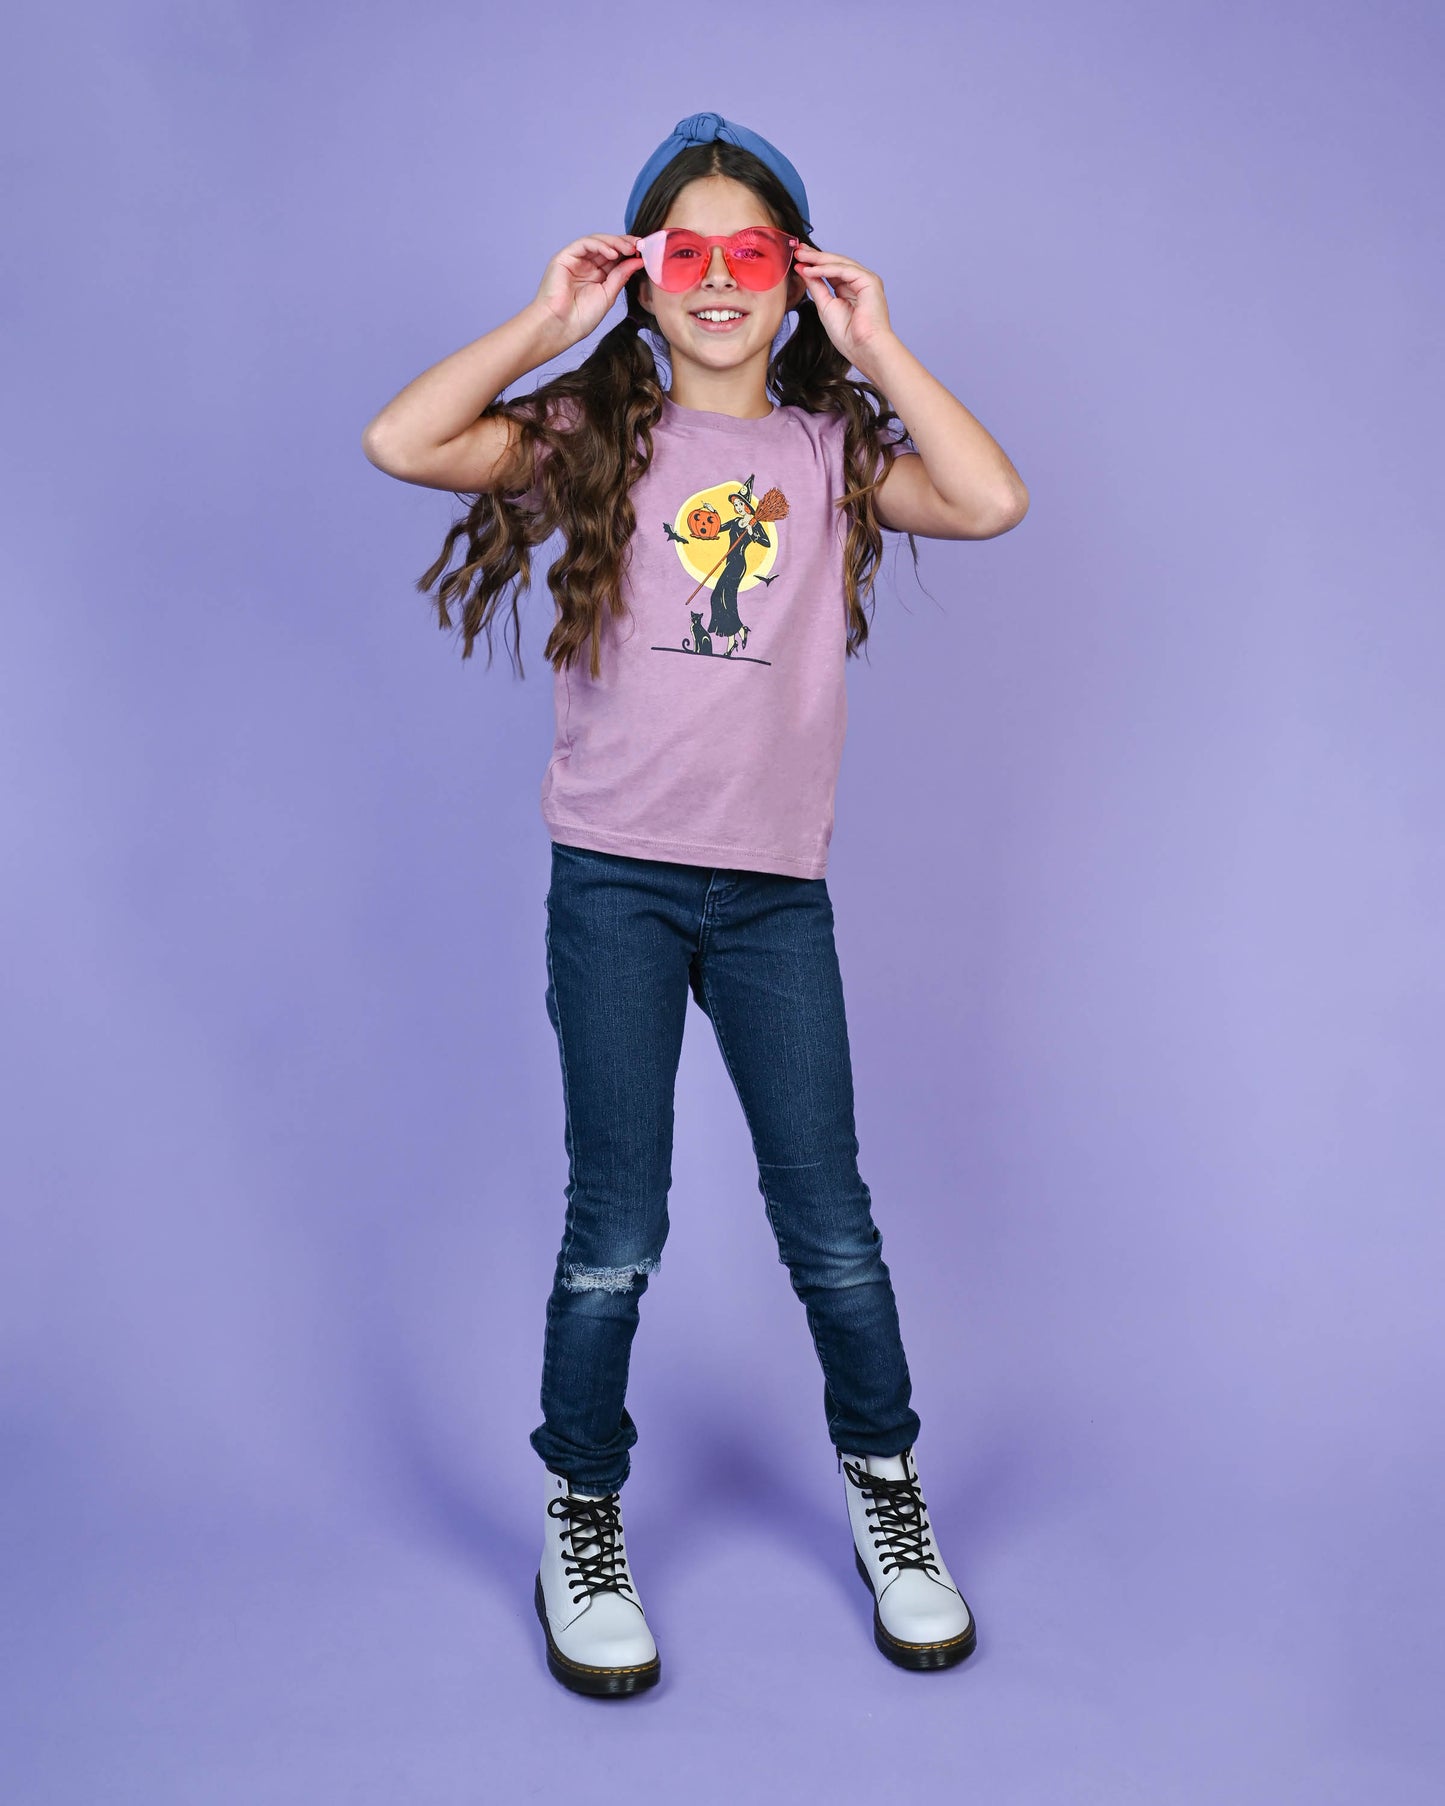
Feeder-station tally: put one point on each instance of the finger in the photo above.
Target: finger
(842, 281)
(844, 265)
(608, 250)
(583, 268)
(620, 276)
(605, 247)
(599, 266)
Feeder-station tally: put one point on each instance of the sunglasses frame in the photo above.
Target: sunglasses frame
(650, 250)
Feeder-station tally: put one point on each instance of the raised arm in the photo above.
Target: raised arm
(960, 483)
(432, 432)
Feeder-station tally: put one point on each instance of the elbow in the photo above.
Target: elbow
(371, 443)
(380, 451)
(987, 516)
(1012, 508)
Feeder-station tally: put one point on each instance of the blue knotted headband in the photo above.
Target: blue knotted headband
(702, 128)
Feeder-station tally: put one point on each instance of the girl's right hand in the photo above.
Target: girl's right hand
(582, 281)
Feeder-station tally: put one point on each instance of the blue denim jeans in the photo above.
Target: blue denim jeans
(628, 940)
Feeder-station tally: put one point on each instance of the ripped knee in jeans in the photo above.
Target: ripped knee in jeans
(606, 1279)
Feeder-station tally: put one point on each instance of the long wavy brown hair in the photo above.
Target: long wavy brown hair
(586, 437)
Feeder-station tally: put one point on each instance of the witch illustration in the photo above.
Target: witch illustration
(743, 530)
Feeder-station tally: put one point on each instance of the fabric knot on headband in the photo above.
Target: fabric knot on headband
(702, 128)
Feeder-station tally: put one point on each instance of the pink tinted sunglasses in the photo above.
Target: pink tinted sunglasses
(758, 257)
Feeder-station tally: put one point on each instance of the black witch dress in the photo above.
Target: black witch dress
(725, 619)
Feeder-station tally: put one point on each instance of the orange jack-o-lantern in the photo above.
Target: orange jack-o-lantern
(704, 523)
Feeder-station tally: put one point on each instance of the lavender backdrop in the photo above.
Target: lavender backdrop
(1138, 875)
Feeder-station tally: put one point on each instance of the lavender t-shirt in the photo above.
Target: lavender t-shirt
(715, 732)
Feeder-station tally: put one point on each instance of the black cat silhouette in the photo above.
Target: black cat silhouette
(701, 638)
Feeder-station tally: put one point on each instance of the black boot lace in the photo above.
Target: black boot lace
(902, 1520)
(594, 1529)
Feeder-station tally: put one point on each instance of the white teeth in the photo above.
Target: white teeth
(719, 313)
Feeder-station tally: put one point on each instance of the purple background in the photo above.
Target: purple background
(1138, 877)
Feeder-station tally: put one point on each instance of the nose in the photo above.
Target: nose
(717, 269)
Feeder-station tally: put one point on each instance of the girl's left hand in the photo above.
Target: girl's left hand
(855, 315)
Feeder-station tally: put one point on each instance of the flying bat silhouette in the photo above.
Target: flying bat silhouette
(671, 533)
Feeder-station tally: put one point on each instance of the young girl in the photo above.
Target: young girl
(689, 795)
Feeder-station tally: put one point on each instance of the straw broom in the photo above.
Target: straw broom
(772, 506)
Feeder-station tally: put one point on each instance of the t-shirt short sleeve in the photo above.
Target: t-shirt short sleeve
(831, 434)
(898, 436)
(832, 430)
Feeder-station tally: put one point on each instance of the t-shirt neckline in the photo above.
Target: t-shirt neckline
(715, 422)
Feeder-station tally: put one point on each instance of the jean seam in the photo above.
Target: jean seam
(571, 1225)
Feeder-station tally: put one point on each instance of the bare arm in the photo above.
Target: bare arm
(431, 433)
(962, 484)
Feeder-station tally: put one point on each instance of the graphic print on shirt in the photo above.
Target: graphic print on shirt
(723, 539)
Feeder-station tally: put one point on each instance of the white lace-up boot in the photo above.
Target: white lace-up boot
(598, 1640)
(920, 1619)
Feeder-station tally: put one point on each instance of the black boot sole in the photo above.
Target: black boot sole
(600, 1683)
(917, 1655)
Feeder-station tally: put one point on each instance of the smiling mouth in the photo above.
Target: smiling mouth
(731, 321)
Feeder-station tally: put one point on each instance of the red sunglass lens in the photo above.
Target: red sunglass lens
(758, 260)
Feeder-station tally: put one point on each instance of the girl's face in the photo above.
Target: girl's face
(718, 204)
